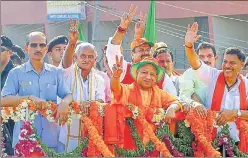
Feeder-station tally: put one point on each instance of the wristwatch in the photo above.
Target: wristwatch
(238, 113)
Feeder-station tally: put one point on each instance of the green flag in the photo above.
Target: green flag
(81, 33)
(150, 31)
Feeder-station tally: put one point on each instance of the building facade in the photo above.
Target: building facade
(223, 23)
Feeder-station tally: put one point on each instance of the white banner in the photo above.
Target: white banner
(63, 10)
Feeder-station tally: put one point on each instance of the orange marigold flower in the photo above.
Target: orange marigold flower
(6, 110)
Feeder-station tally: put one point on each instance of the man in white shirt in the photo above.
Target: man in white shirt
(227, 90)
(84, 81)
(140, 47)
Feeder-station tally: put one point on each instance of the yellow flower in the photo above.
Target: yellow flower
(156, 119)
(186, 123)
(161, 111)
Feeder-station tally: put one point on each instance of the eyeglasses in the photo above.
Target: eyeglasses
(3, 49)
(41, 45)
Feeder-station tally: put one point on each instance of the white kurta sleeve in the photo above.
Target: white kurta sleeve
(100, 87)
(169, 86)
(68, 71)
(206, 73)
(111, 52)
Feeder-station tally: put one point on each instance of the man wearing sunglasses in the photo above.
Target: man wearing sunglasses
(40, 82)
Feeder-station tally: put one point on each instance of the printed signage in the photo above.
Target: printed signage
(64, 10)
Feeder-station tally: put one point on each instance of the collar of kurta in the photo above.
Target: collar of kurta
(220, 89)
(173, 78)
(79, 71)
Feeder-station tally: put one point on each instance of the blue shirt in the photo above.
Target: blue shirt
(24, 80)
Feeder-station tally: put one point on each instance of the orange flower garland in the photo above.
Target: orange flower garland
(19, 112)
(210, 122)
(242, 126)
(49, 113)
(31, 106)
(7, 112)
(160, 146)
(96, 138)
(94, 116)
(197, 128)
(146, 138)
(76, 107)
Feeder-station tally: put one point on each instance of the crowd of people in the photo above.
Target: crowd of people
(149, 81)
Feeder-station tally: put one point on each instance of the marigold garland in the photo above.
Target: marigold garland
(19, 112)
(160, 146)
(163, 133)
(198, 129)
(97, 121)
(74, 109)
(201, 128)
(96, 138)
(242, 126)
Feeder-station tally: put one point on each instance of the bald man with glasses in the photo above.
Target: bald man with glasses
(40, 82)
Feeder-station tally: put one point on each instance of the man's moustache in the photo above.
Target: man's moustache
(208, 63)
(37, 53)
(146, 55)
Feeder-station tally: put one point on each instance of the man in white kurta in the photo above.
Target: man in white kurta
(233, 63)
(90, 88)
(231, 98)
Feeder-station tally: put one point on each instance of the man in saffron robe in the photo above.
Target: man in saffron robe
(227, 89)
(143, 93)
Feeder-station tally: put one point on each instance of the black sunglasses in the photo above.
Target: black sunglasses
(3, 49)
(41, 45)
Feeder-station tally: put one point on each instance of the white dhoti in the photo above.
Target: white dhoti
(71, 135)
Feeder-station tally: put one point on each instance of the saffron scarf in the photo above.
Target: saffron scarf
(217, 100)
